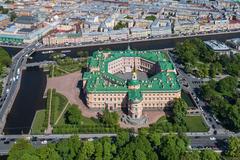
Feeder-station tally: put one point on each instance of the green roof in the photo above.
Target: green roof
(135, 96)
(102, 81)
(133, 82)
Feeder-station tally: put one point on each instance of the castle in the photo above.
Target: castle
(131, 81)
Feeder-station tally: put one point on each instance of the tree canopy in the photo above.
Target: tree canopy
(224, 101)
(151, 18)
(233, 147)
(109, 118)
(124, 146)
(203, 62)
(179, 111)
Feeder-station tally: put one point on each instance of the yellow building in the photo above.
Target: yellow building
(132, 81)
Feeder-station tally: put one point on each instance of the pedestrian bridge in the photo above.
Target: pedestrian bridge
(40, 64)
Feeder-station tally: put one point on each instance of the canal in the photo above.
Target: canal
(28, 100)
(30, 96)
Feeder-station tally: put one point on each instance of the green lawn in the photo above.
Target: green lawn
(193, 124)
(187, 99)
(58, 103)
(71, 67)
(55, 72)
(84, 120)
(37, 124)
(60, 70)
(196, 124)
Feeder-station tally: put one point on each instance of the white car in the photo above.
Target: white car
(18, 71)
(44, 142)
(90, 139)
(212, 138)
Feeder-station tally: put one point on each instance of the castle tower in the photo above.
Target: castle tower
(134, 96)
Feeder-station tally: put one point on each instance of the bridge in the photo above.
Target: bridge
(40, 64)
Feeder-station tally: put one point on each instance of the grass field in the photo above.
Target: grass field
(37, 124)
(196, 124)
(193, 124)
(58, 103)
(83, 120)
(64, 68)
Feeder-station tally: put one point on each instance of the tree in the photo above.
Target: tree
(4, 11)
(47, 152)
(209, 155)
(128, 17)
(154, 138)
(151, 18)
(13, 16)
(106, 148)
(98, 151)
(86, 151)
(172, 147)
(82, 53)
(179, 111)
(120, 25)
(109, 118)
(68, 149)
(233, 147)
(140, 155)
(21, 149)
(213, 71)
(122, 139)
(191, 155)
(187, 52)
(73, 115)
(9, 2)
(28, 156)
(5, 59)
(227, 85)
(233, 69)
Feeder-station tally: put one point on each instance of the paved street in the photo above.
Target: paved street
(6, 142)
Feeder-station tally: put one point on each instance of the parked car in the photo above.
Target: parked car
(44, 142)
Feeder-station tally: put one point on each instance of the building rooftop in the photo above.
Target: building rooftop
(217, 45)
(103, 81)
(3, 17)
(26, 20)
(234, 41)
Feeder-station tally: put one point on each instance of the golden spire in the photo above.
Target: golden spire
(134, 72)
(134, 66)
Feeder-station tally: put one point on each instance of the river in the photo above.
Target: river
(30, 96)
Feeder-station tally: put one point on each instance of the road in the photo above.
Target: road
(6, 142)
(196, 142)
